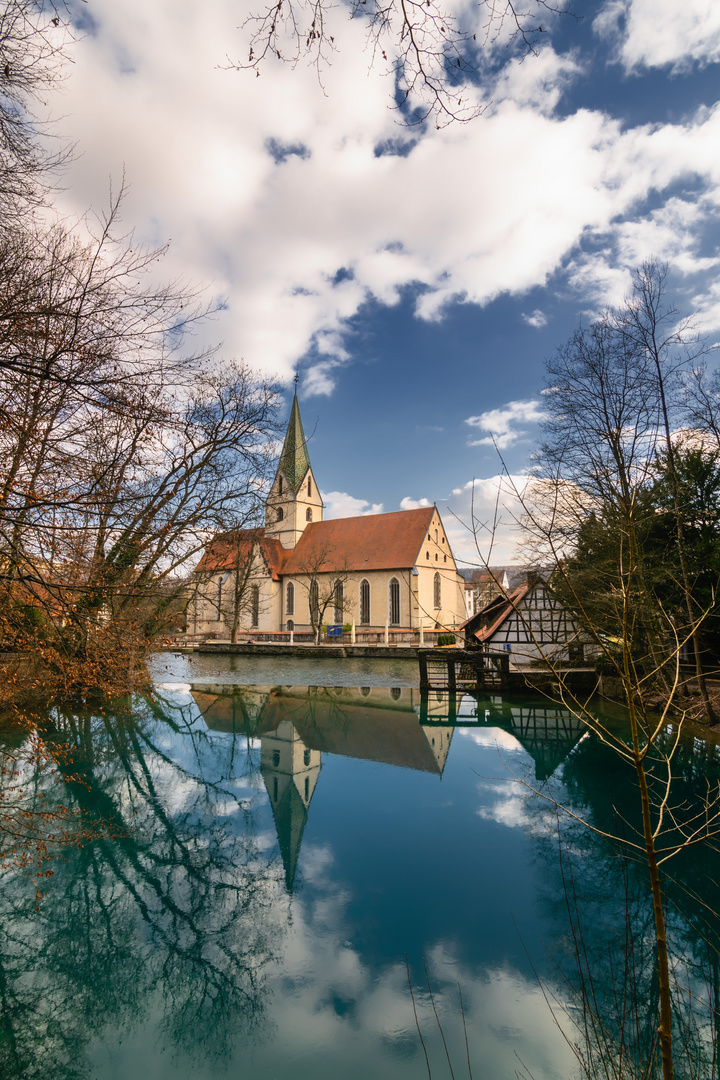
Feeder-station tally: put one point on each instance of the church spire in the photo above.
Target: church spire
(295, 460)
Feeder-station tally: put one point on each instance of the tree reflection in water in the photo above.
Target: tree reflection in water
(179, 907)
(183, 925)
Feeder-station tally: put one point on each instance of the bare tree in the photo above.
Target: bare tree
(650, 328)
(432, 55)
(323, 578)
(608, 419)
(119, 450)
(33, 39)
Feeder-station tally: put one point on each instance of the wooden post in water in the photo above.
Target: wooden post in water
(424, 682)
(452, 685)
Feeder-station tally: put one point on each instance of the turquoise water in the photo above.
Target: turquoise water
(289, 842)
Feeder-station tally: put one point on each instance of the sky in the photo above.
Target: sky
(415, 278)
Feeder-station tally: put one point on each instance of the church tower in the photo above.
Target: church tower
(294, 499)
(290, 770)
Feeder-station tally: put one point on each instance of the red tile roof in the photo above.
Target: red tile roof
(222, 552)
(374, 542)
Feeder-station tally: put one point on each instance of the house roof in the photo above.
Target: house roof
(295, 460)
(373, 542)
(483, 625)
(222, 552)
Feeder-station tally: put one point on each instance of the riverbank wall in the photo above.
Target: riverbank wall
(520, 680)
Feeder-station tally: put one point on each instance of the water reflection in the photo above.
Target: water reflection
(279, 849)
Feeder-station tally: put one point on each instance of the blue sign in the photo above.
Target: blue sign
(334, 631)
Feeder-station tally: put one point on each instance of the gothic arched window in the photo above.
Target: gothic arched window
(338, 601)
(280, 486)
(394, 602)
(221, 582)
(437, 591)
(308, 514)
(290, 599)
(309, 489)
(280, 514)
(364, 602)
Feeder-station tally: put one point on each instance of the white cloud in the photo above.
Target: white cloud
(655, 33)
(413, 504)
(481, 520)
(501, 423)
(338, 504)
(297, 243)
(536, 318)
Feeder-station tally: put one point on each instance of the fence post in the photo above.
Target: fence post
(452, 686)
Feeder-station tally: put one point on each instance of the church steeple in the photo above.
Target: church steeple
(294, 500)
(290, 770)
(295, 460)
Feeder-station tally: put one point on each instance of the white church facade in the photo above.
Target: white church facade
(300, 571)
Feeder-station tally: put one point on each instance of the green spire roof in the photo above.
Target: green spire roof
(295, 460)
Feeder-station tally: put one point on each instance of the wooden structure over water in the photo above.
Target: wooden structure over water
(463, 669)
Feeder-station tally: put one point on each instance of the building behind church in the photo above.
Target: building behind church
(300, 571)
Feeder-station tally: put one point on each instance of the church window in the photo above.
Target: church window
(436, 556)
(221, 582)
(436, 536)
(280, 489)
(276, 758)
(394, 605)
(274, 788)
(314, 603)
(309, 489)
(307, 788)
(338, 601)
(306, 757)
(365, 690)
(364, 602)
(308, 514)
(437, 591)
(290, 625)
(395, 692)
(444, 558)
(290, 599)
(280, 514)
(427, 554)
(254, 605)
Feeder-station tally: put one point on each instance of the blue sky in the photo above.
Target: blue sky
(417, 293)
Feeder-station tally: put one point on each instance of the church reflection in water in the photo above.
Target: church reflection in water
(398, 726)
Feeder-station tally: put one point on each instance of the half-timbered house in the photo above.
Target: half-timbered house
(532, 624)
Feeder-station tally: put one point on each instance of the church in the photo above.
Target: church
(301, 572)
